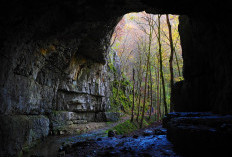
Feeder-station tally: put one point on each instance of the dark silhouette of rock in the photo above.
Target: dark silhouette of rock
(200, 133)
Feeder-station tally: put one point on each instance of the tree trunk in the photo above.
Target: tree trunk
(158, 95)
(171, 61)
(177, 62)
(148, 60)
(140, 94)
(161, 67)
(144, 98)
(151, 94)
(133, 105)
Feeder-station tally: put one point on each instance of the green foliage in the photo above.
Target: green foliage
(121, 96)
(125, 127)
(128, 126)
(112, 68)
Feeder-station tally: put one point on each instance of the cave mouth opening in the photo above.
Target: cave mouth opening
(135, 57)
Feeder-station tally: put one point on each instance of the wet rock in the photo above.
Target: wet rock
(172, 115)
(200, 134)
(160, 131)
(147, 132)
(111, 133)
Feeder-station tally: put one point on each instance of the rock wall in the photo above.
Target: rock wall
(43, 79)
(207, 65)
(53, 78)
(46, 70)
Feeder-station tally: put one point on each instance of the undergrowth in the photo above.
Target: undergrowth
(128, 126)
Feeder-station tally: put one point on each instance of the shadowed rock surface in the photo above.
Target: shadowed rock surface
(203, 134)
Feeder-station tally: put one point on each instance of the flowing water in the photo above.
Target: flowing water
(96, 143)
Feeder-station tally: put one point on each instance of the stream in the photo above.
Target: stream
(144, 142)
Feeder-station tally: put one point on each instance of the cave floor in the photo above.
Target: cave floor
(143, 142)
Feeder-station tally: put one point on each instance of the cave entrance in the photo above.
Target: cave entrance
(140, 55)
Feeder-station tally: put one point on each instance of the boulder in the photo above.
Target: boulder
(111, 133)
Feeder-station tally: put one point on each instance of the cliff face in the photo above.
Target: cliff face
(48, 88)
(53, 79)
(53, 76)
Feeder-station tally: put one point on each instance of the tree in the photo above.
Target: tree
(133, 105)
(150, 93)
(147, 64)
(171, 59)
(161, 66)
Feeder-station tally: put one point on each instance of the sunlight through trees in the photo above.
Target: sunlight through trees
(150, 56)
